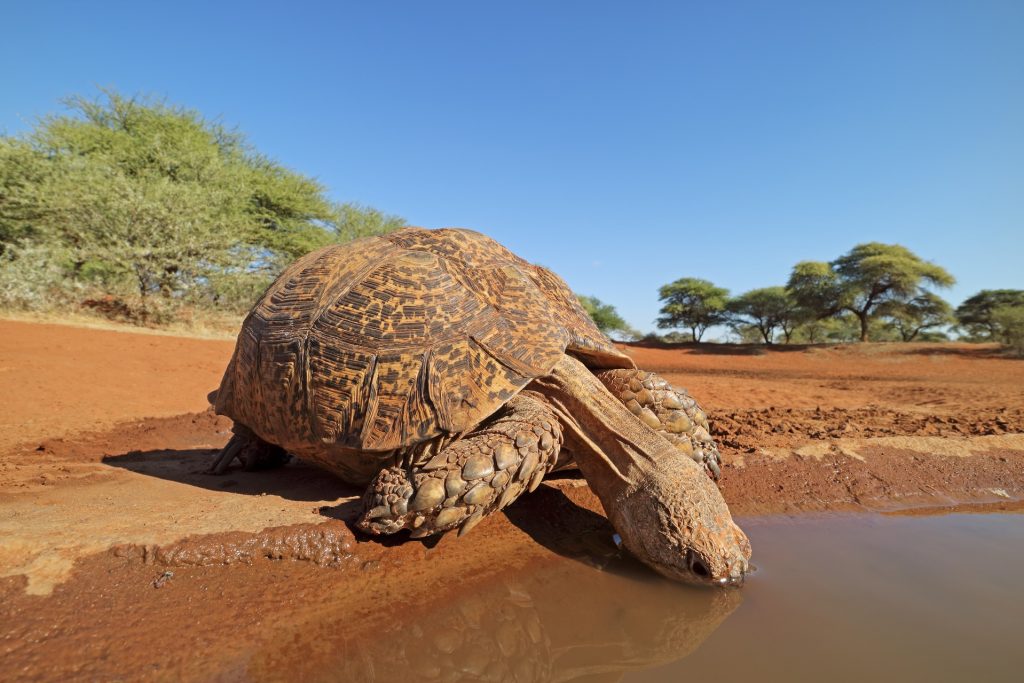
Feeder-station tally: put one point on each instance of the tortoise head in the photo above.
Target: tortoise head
(677, 522)
(667, 510)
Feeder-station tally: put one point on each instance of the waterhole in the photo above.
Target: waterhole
(833, 598)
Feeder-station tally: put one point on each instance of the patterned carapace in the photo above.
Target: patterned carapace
(388, 341)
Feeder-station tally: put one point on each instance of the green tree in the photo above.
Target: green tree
(839, 329)
(863, 279)
(912, 317)
(1010, 322)
(766, 310)
(694, 304)
(21, 170)
(607, 318)
(146, 198)
(746, 333)
(975, 314)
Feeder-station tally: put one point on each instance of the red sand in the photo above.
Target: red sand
(105, 433)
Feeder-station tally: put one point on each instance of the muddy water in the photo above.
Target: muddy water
(836, 598)
(937, 598)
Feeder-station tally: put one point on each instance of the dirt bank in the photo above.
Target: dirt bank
(61, 380)
(112, 538)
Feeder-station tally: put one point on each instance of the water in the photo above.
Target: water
(834, 598)
(874, 598)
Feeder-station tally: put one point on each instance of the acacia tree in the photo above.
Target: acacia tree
(154, 199)
(692, 303)
(923, 312)
(863, 279)
(841, 328)
(976, 313)
(1010, 322)
(765, 309)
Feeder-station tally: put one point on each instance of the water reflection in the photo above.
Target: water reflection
(564, 623)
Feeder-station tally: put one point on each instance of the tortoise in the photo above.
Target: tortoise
(450, 376)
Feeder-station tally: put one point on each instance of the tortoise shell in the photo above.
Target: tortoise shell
(387, 341)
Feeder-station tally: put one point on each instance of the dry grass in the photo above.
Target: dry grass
(201, 325)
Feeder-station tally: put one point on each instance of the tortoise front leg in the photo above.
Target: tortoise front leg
(438, 488)
(668, 410)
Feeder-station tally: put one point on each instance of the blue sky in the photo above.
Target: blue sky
(624, 145)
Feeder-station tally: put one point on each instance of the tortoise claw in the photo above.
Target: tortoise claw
(227, 455)
(254, 453)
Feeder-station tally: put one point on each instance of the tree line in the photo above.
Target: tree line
(873, 292)
(148, 209)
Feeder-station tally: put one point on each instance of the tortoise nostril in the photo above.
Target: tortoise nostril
(698, 567)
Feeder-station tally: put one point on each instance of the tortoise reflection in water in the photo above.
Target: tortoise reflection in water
(561, 623)
(448, 375)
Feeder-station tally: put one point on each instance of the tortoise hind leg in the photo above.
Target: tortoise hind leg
(253, 452)
(440, 487)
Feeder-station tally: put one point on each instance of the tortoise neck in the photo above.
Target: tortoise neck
(614, 450)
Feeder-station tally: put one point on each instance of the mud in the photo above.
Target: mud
(328, 544)
(120, 558)
(109, 620)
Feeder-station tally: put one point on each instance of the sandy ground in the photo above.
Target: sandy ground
(111, 536)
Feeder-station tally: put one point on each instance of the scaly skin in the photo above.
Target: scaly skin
(435, 488)
(668, 410)
(668, 512)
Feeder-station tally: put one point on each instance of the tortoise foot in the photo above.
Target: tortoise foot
(253, 452)
(458, 485)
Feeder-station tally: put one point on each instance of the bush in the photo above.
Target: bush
(148, 212)
(36, 277)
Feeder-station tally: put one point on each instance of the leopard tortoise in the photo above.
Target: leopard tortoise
(449, 376)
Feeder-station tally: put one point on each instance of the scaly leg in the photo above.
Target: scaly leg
(669, 411)
(253, 452)
(438, 487)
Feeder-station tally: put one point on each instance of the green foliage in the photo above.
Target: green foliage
(1010, 322)
(667, 338)
(975, 314)
(607, 318)
(765, 310)
(20, 170)
(155, 205)
(839, 329)
(692, 303)
(747, 333)
(933, 336)
(913, 316)
(35, 277)
(879, 269)
(867, 277)
(815, 287)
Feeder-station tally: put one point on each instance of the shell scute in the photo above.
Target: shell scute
(465, 380)
(398, 411)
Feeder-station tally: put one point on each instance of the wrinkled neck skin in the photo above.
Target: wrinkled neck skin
(669, 513)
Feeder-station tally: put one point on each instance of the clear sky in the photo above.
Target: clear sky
(623, 144)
